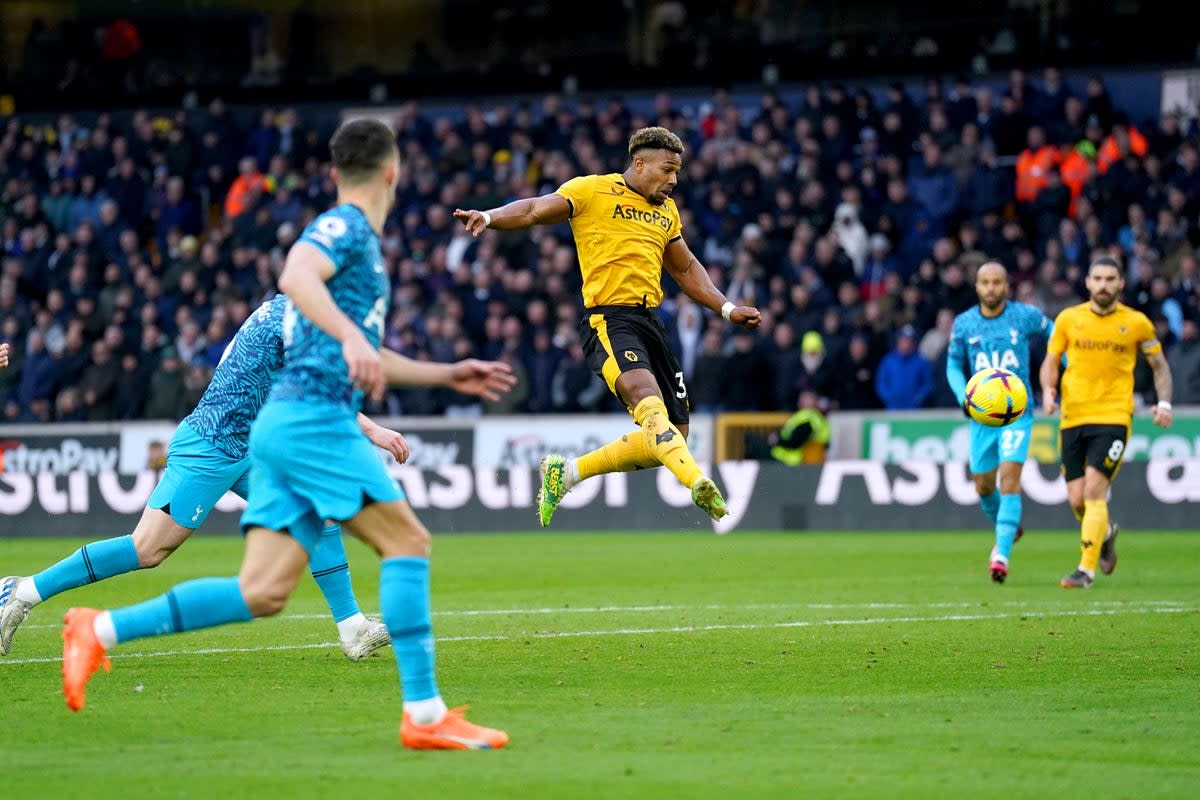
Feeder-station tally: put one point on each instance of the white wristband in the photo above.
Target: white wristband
(727, 309)
(487, 219)
(1164, 405)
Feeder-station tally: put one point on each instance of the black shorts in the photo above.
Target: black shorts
(1099, 446)
(617, 339)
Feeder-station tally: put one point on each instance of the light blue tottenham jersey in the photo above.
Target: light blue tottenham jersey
(978, 342)
(313, 368)
(242, 380)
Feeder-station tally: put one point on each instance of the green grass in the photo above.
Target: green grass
(657, 666)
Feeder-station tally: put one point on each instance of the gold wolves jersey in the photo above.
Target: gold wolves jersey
(620, 238)
(1097, 386)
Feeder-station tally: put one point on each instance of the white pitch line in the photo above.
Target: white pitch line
(750, 626)
(507, 612)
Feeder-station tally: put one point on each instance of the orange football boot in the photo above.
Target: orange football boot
(454, 732)
(82, 655)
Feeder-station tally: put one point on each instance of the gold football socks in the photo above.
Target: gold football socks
(630, 452)
(665, 441)
(1092, 533)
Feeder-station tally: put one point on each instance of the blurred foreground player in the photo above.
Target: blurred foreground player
(310, 462)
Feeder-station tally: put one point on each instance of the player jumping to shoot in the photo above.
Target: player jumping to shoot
(996, 333)
(627, 229)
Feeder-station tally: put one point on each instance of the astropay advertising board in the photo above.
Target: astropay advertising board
(504, 442)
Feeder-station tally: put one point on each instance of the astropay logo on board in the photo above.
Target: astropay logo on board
(69, 456)
(502, 444)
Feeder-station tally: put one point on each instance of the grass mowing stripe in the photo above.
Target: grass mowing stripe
(749, 626)
(504, 612)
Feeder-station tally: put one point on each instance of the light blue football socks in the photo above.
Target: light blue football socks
(991, 505)
(331, 571)
(90, 563)
(202, 603)
(1008, 519)
(404, 600)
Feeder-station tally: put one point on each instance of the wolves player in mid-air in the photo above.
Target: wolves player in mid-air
(311, 461)
(996, 333)
(208, 457)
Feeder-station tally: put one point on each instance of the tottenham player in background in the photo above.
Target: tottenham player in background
(996, 333)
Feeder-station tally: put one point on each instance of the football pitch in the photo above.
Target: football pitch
(652, 665)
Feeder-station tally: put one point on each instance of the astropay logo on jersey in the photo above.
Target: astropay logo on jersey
(70, 455)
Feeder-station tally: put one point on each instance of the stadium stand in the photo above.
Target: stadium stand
(134, 245)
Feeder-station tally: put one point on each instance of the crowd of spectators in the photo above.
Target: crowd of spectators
(133, 250)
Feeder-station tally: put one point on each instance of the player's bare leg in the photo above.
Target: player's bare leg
(156, 536)
(403, 545)
(271, 567)
(1088, 496)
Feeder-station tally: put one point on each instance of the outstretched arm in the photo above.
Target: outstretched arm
(1163, 387)
(549, 209)
(486, 379)
(693, 279)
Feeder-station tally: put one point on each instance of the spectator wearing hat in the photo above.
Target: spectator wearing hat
(1077, 169)
(851, 235)
(905, 378)
(818, 367)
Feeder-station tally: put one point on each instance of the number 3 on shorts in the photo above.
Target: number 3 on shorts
(682, 393)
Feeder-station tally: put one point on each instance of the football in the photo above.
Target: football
(995, 397)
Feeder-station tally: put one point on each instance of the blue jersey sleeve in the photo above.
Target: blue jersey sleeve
(956, 363)
(1038, 324)
(330, 234)
(314, 369)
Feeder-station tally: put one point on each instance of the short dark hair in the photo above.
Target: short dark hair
(1104, 261)
(655, 138)
(360, 147)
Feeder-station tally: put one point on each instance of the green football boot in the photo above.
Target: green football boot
(554, 486)
(707, 497)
